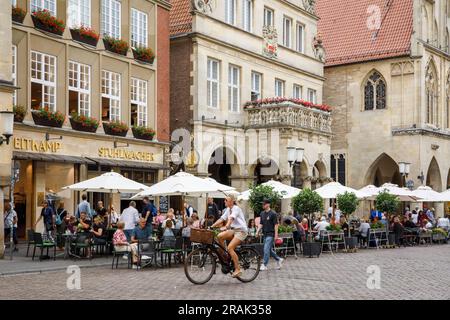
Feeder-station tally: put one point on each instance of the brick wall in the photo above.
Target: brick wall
(163, 86)
(180, 96)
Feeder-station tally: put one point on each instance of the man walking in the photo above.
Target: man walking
(48, 215)
(148, 213)
(130, 216)
(269, 226)
(213, 210)
(10, 223)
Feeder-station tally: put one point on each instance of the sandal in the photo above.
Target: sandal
(237, 274)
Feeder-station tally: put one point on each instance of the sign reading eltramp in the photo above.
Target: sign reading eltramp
(125, 154)
(36, 145)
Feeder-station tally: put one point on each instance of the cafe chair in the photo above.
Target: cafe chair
(40, 243)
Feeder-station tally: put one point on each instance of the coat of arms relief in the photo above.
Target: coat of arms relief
(270, 37)
(205, 6)
(310, 6)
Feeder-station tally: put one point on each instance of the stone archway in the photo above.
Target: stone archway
(383, 170)
(265, 170)
(434, 179)
(222, 165)
(300, 172)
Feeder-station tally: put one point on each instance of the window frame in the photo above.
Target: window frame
(79, 88)
(247, 15)
(234, 88)
(300, 89)
(142, 33)
(142, 111)
(103, 14)
(78, 21)
(300, 45)
(229, 3)
(41, 4)
(314, 100)
(210, 80)
(259, 89)
(283, 88)
(272, 16)
(45, 83)
(374, 87)
(109, 95)
(287, 32)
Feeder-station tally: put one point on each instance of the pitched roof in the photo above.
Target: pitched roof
(180, 17)
(347, 38)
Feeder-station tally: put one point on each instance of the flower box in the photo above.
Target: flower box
(45, 21)
(116, 46)
(47, 118)
(143, 133)
(85, 35)
(85, 124)
(18, 14)
(144, 55)
(351, 242)
(115, 129)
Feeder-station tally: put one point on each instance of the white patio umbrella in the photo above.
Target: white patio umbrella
(225, 190)
(446, 195)
(370, 190)
(333, 189)
(428, 195)
(110, 182)
(285, 190)
(402, 194)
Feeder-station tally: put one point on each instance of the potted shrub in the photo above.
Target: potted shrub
(144, 54)
(115, 128)
(19, 113)
(308, 202)
(43, 117)
(18, 14)
(348, 202)
(388, 203)
(44, 20)
(86, 35)
(143, 133)
(83, 123)
(285, 231)
(439, 234)
(260, 192)
(115, 45)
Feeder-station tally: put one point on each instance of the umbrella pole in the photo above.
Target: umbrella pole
(206, 212)
(110, 209)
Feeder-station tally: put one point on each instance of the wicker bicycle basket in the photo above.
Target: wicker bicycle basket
(202, 236)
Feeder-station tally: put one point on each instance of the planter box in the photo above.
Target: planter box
(17, 18)
(141, 136)
(78, 37)
(109, 48)
(46, 122)
(38, 24)
(311, 249)
(110, 132)
(438, 237)
(351, 242)
(18, 118)
(286, 235)
(142, 60)
(79, 127)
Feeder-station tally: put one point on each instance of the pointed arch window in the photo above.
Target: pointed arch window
(447, 101)
(375, 92)
(431, 87)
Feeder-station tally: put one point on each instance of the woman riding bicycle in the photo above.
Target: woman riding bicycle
(235, 231)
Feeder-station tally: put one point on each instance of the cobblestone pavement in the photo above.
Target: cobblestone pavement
(406, 273)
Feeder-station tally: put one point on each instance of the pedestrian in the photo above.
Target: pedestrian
(10, 224)
(189, 210)
(213, 210)
(113, 217)
(430, 216)
(83, 206)
(148, 213)
(48, 215)
(269, 226)
(415, 216)
(130, 216)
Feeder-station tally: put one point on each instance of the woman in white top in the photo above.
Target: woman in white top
(235, 231)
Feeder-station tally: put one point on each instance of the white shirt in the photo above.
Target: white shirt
(337, 216)
(321, 226)
(443, 223)
(9, 218)
(131, 217)
(330, 210)
(238, 218)
(429, 225)
(415, 217)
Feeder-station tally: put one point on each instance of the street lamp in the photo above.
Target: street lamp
(294, 156)
(6, 126)
(404, 168)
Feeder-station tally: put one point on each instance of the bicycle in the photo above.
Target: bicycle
(200, 265)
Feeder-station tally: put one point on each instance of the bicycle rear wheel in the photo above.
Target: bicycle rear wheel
(250, 262)
(200, 266)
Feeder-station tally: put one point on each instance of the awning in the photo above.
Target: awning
(17, 155)
(129, 164)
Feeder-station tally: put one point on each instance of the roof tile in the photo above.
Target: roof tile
(180, 17)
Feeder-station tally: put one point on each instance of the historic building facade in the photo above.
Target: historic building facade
(388, 77)
(63, 73)
(246, 83)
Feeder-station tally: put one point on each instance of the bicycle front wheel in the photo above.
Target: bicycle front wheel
(200, 266)
(250, 262)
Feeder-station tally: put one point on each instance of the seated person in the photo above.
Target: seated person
(398, 230)
(120, 239)
(168, 232)
(84, 223)
(140, 233)
(321, 226)
(363, 228)
(170, 216)
(71, 224)
(344, 225)
(98, 230)
(444, 223)
(208, 222)
(196, 220)
(427, 226)
(186, 232)
(409, 224)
